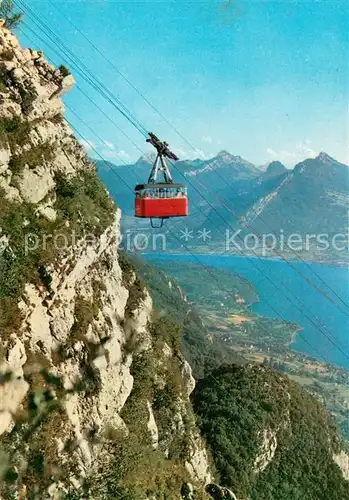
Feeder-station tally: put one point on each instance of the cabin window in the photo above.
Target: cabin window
(170, 192)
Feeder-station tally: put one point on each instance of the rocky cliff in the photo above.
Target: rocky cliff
(94, 391)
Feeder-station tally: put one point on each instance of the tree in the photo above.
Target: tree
(7, 12)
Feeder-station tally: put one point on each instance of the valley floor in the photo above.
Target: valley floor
(259, 339)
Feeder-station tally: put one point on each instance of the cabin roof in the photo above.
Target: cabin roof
(159, 185)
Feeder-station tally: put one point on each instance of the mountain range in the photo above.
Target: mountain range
(227, 193)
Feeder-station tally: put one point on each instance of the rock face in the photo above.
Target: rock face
(267, 451)
(77, 328)
(40, 142)
(342, 460)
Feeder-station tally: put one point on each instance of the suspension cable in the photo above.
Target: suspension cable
(194, 149)
(256, 256)
(86, 73)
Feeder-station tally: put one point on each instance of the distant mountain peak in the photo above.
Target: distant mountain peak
(228, 157)
(224, 157)
(146, 158)
(223, 153)
(275, 168)
(227, 163)
(276, 164)
(325, 158)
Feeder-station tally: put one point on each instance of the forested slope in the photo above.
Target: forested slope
(270, 439)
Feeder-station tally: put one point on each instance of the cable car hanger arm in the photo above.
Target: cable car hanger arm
(161, 147)
(160, 163)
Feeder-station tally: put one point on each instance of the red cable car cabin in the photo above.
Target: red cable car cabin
(161, 200)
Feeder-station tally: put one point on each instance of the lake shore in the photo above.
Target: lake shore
(283, 258)
(292, 295)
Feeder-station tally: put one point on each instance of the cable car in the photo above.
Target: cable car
(160, 200)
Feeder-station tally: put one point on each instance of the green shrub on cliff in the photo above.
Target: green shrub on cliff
(8, 13)
(238, 408)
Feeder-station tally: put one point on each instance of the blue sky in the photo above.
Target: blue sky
(265, 80)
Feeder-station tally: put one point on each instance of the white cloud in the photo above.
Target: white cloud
(301, 152)
(109, 145)
(199, 153)
(183, 155)
(115, 155)
(88, 145)
(191, 155)
(207, 138)
(123, 154)
(287, 157)
(304, 148)
(272, 153)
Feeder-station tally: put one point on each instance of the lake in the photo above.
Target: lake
(284, 294)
